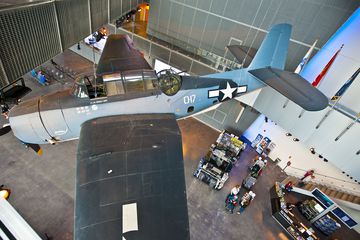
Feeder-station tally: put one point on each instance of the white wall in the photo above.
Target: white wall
(341, 153)
(301, 157)
(346, 63)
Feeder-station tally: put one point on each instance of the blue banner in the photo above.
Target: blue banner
(345, 86)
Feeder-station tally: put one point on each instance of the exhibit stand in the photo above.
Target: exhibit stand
(316, 215)
(293, 225)
(215, 166)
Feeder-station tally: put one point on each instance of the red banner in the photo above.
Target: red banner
(326, 68)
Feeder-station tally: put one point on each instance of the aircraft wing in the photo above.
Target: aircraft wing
(130, 179)
(120, 55)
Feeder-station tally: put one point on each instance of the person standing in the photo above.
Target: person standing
(245, 201)
(5, 110)
(231, 202)
(235, 190)
(289, 186)
(307, 174)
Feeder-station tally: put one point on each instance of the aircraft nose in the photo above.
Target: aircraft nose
(20, 120)
(26, 107)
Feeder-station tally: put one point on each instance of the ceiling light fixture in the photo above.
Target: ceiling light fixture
(312, 150)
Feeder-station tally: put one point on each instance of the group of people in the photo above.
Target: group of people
(233, 199)
(39, 76)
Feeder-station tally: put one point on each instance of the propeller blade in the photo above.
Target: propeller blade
(36, 148)
(5, 129)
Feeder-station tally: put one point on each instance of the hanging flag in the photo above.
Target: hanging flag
(336, 98)
(326, 68)
(344, 87)
(305, 59)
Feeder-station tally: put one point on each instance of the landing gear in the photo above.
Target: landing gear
(52, 141)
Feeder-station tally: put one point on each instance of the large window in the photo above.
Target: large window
(130, 82)
(150, 80)
(133, 81)
(79, 89)
(115, 88)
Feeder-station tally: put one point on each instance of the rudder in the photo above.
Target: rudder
(274, 48)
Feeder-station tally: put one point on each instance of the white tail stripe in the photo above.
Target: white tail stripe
(242, 89)
(213, 93)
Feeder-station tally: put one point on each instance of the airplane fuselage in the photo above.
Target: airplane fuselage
(59, 116)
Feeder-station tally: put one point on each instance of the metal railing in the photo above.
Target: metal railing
(213, 60)
(9, 86)
(326, 181)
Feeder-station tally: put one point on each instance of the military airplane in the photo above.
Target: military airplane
(130, 176)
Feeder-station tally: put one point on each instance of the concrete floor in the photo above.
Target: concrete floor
(43, 187)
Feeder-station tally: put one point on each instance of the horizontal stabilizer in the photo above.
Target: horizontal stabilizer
(292, 86)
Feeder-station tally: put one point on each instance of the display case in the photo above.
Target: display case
(215, 166)
(293, 226)
(310, 209)
(327, 225)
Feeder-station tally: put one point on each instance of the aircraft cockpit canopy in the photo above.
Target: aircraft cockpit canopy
(132, 81)
(79, 89)
(84, 87)
(127, 82)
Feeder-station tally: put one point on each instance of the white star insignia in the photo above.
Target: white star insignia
(227, 92)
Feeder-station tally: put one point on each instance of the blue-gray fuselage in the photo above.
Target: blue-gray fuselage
(59, 116)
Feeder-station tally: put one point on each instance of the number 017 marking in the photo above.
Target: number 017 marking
(189, 99)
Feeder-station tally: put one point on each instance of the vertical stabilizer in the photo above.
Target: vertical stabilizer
(274, 48)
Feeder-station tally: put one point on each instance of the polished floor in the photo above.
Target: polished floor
(43, 187)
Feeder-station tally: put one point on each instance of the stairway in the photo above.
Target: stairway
(332, 193)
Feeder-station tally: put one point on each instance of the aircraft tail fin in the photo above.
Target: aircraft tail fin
(267, 67)
(274, 48)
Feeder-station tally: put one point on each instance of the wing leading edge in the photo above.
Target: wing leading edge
(130, 179)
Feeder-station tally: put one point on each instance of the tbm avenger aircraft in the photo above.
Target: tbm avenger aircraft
(130, 175)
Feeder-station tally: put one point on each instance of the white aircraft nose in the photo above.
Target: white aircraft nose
(24, 121)
(26, 107)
